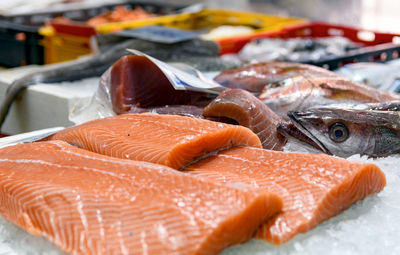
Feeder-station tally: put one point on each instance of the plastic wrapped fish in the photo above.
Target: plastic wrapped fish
(137, 82)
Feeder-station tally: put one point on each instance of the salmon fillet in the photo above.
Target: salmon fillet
(169, 140)
(314, 187)
(88, 203)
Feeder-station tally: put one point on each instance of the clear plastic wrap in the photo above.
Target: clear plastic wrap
(99, 106)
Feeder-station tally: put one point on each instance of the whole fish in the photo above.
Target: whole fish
(97, 64)
(300, 93)
(345, 130)
(254, 77)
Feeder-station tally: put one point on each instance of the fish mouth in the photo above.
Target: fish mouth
(297, 130)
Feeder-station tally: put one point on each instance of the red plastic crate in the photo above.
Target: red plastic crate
(73, 28)
(319, 29)
(314, 30)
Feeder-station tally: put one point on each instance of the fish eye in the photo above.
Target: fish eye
(276, 84)
(338, 132)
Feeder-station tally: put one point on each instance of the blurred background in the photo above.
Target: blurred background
(371, 14)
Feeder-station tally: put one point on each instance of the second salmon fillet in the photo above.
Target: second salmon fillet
(314, 187)
(169, 140)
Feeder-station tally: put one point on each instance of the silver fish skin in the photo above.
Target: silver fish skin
(300, 93)
(365, 129)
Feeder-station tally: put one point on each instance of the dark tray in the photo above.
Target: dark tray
(379, 53)
(21, 44)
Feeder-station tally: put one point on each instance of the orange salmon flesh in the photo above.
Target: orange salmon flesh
(88, 203)
(169, 140)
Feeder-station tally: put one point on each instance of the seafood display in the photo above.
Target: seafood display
(313, 187)
(270, 116)
(296, 175)
(87, 203)
(278, 194)
(181, 151)
(170, 140)
(345, 130)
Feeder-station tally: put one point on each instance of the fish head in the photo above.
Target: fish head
(289, 94)
(345, 132)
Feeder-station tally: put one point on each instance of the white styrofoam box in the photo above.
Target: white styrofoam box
(43, 105)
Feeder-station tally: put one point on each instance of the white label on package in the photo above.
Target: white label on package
(181, 80)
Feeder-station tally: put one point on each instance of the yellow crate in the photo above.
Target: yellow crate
(208, 18)
(61, 47)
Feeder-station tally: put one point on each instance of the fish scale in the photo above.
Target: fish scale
(88, 203)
